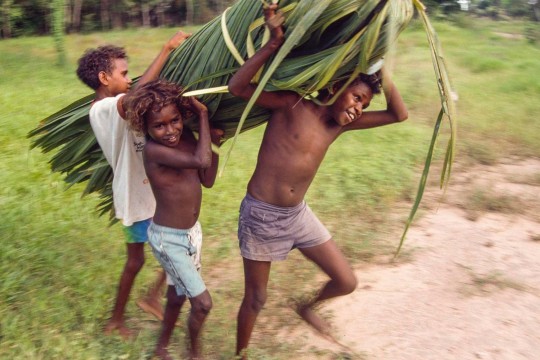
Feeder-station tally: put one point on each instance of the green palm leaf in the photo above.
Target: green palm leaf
(327, 41)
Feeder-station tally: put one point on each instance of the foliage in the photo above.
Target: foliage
(58, 30)
(60, 263)
(26, 17)
(361, 35)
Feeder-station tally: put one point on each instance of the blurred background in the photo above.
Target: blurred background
(60, 262)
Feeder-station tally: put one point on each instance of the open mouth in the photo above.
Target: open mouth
(171, 139)
(351, 115)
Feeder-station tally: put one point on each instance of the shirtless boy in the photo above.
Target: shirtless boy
(274, 218)
(105, 70)
(177, 165)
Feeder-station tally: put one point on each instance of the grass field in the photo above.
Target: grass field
(60, 262)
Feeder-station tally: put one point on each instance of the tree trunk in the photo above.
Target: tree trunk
(76, 15)
(6, 18)
(58, 11)
(105, 14)
(190, 12)
(160, 13)
(145, 12)
(117, 11)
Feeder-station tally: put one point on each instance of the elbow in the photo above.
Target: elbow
(208, 184)
(206, 161)
(234, 89)
(403, 116)
(205, 164)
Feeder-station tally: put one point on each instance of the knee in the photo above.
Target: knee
(256, 301)
(202, 305)
(349, 284)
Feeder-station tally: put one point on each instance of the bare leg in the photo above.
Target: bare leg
(256, 275)
(151, 303)
(342, 281)
(200, 308)
(172, 310)
(134, 263)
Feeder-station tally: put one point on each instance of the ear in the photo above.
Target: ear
(103, 78)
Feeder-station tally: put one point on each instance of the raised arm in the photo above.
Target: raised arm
(199, 158)
(208, 175)
(156, 66)
(240, 83)
(396, 111)
(152, 72)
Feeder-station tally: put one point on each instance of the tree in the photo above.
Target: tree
(58, 11)
(73, 15)
(5, 19)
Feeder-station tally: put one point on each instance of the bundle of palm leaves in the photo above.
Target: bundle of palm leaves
(327, 41)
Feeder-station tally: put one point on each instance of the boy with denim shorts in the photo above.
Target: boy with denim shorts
(105, 70)
(177, 165)
(274, 217)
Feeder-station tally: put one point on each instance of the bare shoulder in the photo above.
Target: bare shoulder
(151, 150)
(276, 100)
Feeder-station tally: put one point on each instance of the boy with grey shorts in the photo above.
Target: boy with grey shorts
(268, 232)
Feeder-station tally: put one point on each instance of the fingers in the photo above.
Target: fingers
(196, 105)
(275, 21)
(178, 39)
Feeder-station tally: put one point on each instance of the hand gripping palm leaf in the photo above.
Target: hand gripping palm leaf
(326, 41)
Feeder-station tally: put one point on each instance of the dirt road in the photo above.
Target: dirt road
(469, 287)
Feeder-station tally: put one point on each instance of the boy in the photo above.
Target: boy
(274, 217)
(177, 165)
(105, 70)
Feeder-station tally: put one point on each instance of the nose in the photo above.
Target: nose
(359, 108)
(169, 129)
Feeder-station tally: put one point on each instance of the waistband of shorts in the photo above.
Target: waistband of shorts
(278, 209)
(170, 230)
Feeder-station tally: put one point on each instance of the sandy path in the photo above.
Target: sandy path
(470, 288)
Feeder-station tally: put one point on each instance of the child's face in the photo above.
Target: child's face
(118, 81)
(165, 126)
(351, 103)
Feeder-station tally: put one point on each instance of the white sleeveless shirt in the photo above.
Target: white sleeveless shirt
(132, 194)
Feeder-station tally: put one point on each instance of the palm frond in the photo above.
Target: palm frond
(327, 41)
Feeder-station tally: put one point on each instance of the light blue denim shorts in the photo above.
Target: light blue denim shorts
(179, 253)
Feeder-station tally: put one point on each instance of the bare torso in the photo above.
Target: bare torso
(172, 187)
(294, 144)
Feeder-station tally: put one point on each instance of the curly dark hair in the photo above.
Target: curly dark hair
(152, 97)
(93, 61)
(374, 82)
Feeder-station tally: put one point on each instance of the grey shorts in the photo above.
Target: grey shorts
(179, 253)
(268, 233)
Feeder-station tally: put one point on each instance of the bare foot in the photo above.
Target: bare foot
(315, 321)
(151, 306)
(115, 326)
(162, 354)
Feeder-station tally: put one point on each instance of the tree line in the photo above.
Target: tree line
(40, 17)
(37, 17)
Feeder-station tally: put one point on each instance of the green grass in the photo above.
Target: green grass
(60, 262)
